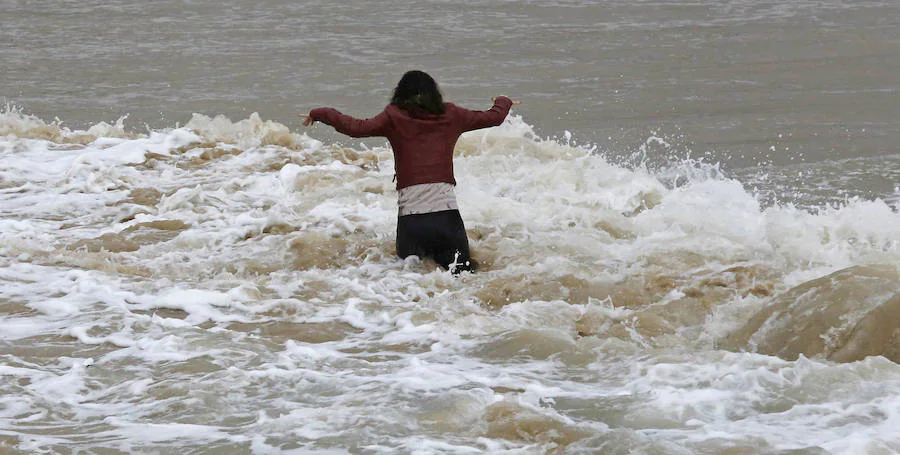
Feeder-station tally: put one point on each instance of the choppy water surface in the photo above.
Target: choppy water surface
(719, 278)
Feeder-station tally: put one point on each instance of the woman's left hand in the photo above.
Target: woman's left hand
(307, 119)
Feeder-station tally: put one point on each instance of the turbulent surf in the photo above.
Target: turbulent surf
(232, 286)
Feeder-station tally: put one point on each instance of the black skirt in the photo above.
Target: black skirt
(440, 236)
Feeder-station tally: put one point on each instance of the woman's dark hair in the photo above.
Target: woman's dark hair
(417, 92)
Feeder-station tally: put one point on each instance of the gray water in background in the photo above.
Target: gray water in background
(739, 82)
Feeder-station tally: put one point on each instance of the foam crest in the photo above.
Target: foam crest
(249, 132)
(860, 232)
(515, 137)
(15, 123)
(731, 214)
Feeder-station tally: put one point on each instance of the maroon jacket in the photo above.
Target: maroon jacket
(423, 143)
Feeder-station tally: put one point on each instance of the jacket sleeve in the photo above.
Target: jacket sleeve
(473, 120)
(351, 126)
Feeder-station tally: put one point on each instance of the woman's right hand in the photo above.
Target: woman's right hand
(514, 102)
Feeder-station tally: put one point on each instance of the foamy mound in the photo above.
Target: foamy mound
(857, 232)
(250, 132)
(15, 123)
(515, 136)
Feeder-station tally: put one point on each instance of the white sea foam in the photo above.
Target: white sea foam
(233, 285)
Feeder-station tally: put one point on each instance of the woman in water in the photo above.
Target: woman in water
(423, 131)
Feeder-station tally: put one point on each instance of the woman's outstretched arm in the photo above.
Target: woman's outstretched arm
(473, 120)
(351, 126)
